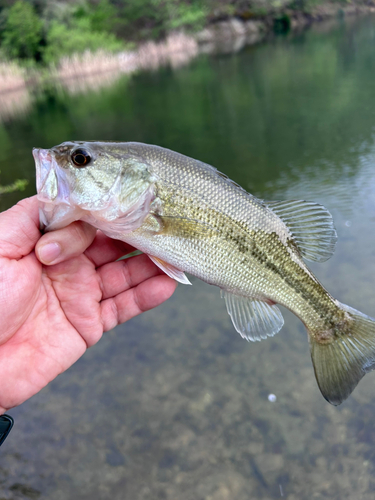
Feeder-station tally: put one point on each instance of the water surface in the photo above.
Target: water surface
(174, 404)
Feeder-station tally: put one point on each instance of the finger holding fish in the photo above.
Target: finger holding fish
(117, 277)
(145, 296)
(78, 237)
(115, 295)
(66, 243)
(104, 249)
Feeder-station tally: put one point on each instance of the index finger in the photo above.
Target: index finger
(104, 249)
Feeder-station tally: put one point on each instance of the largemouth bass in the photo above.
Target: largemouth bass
(188, 217)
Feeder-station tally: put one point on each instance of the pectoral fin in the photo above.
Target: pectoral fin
(253, 319)
(170, 270)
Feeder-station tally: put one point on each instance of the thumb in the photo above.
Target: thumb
(66, 243)
(19, 229)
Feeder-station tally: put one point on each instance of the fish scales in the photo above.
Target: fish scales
(251, 228)
(188, 217)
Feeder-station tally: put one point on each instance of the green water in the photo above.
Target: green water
(174, 404)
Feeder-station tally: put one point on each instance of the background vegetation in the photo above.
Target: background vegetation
(45, 30)
(42, 31)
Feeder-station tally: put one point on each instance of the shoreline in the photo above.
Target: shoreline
(253, 30)
(94, 70)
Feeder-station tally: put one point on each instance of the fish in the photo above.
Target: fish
(190, 218)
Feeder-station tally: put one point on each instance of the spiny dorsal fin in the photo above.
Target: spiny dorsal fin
(311, 226)
(253, 319)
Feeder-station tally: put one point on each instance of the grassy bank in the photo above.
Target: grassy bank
(45, 39)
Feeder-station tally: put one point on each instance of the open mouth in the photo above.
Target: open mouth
(55, 208)
(43, 164)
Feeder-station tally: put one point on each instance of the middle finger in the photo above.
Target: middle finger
(116, 277)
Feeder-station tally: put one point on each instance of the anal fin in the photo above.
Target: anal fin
(170, 270)
(254, 320)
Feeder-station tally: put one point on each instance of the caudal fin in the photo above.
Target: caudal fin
(341, 364)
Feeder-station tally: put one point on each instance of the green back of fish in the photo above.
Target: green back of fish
(210, 227)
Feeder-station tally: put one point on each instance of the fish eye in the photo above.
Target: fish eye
(81, 158)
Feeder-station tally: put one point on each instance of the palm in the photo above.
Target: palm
(51, 314)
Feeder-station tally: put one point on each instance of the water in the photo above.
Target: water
(174, 404)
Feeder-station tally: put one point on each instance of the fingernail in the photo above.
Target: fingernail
(47, 254)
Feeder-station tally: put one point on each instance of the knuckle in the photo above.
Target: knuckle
(115, 312)
(126, 275)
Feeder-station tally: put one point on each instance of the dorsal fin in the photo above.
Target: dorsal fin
(311, 226)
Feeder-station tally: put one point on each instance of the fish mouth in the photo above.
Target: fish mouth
(55, 211)
(43, 164)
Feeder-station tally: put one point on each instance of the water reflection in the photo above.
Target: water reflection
(175, 404)
(354, 185)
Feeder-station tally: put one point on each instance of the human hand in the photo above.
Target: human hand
(58, 293)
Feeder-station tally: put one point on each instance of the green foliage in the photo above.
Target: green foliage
(63, 40)
(306, 6)
(282, 23)
(22, 32)
(18, 185)
(60, 29)
(260, 11)
(46, 30)
(56, 11)
(184, 15)
(101, 16)
(83, 26)
(145, 18)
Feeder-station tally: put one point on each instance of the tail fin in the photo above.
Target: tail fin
(341, 364)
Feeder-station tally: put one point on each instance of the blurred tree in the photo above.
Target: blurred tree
(22, 31)
(63, 40)
(102, 16)
(144, 18)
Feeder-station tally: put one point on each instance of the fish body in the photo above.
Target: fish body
(188, 217)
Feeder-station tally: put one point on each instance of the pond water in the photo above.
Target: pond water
(174, 404)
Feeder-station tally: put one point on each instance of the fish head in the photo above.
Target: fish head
(105, 184)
